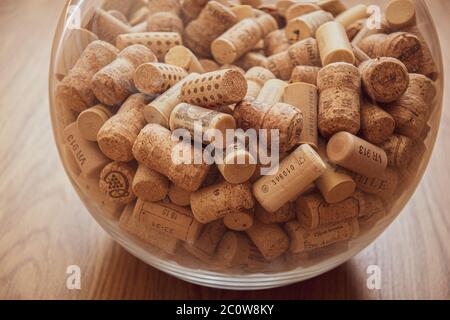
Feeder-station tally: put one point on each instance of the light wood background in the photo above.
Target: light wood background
(44, 227)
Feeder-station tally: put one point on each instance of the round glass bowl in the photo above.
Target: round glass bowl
(68, 45)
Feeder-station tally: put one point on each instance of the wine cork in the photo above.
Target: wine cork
(216, 201)
(91, 120)
(164, 6)
(371, 217)
(384, 79)
(86, 153)
(403, 46)
(179, 196)
(400, 13)
(241, 38)
(126, 7)
(183, 57)
(134, 222)
(270, 9)
(158, 42)
(212, 22)
(272, 92)
(275, 42)
(306, 26)
(139, 16)
(70, 162)
(335, 186)
(243, 12)
(300, 9)
(286, 213)
(305, 97)
(295, 173)
(240, 220)
(165, 22)
(139, 28)
(117, 136)
(233, 250)
(270, 239)
(232, 67)
(119, 15)
(423, 87)
(160, 109)
(349, 16)
(116, 182)
(188, 117)
(256, 78)
(283, 5)
(209, 65)
(156, 78)
(333, 43)
(305, 74)
(313, 211)
(237, 165)
(398, 149)
(335, 7)
(356, 154)
(376, 124)
(168, 219)
(339, 104)
(383, 185)
(306, 240)
(107, 27)
(155, 149)
(252, 3)
(150, 186)
(74, 92)
(114, 83)
(218, 88)
(353, 29)
(284, 117)
(205, 246)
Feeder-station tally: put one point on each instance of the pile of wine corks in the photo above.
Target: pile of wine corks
(351, 106)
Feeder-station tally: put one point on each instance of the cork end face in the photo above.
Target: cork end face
(340, 147)
(234, 85)
(179, 56)
(107, 90)
(224, 51)
(340, 55)
(153, 115)
(239, 221)
(69, 97)
(400, 13)
(90, 123)
(117, 147)
(341, 191)
(149, 79)
(297, 30)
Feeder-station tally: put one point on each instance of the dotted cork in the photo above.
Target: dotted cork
(156, 78)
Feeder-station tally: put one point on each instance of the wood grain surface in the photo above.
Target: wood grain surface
(44, 227)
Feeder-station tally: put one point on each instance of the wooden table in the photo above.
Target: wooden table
(44, 227)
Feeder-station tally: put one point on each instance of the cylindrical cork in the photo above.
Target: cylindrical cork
(184, 58)
(88, 157)
(114, 83)
(306, 74)
(253, 3)
(306, 240)
(150, 186)
(398, 149)
(284, 117)
(243, 11)
(74, 92)
(335, 186)
(304, 96)
(272, 92)
(356, 154)
(275, 42)
(218, 88)
(179, 196)
(384, 79)
(192, 8)
(242, 38)
(70, 162)
(353, 29)
(306, 26)
(373, 213)
(400, 13)
(209, 65)
(117, 136)
(300, 9)
(314, 211)
(346, 18)
(159, 42)
(91, 120)
(165, 22)
(423, 87)
(155, 149)
(240, 220)
(156, 78)
(107, 27)
(280, 65)
(270, 239)
(335, 7)
(333, 43)
(212, 22)
(131, 221)
(139, 16)
(216, 201)
(339, 104)
(305, 53)
(256, 78)
(233, 250)
(116, 181)
(125, 7)
(170, 219)
(376, 124)
(284, 214)
(213, 124)
(160, 109)
(205, 246)
(237, 165)
(295, 173)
